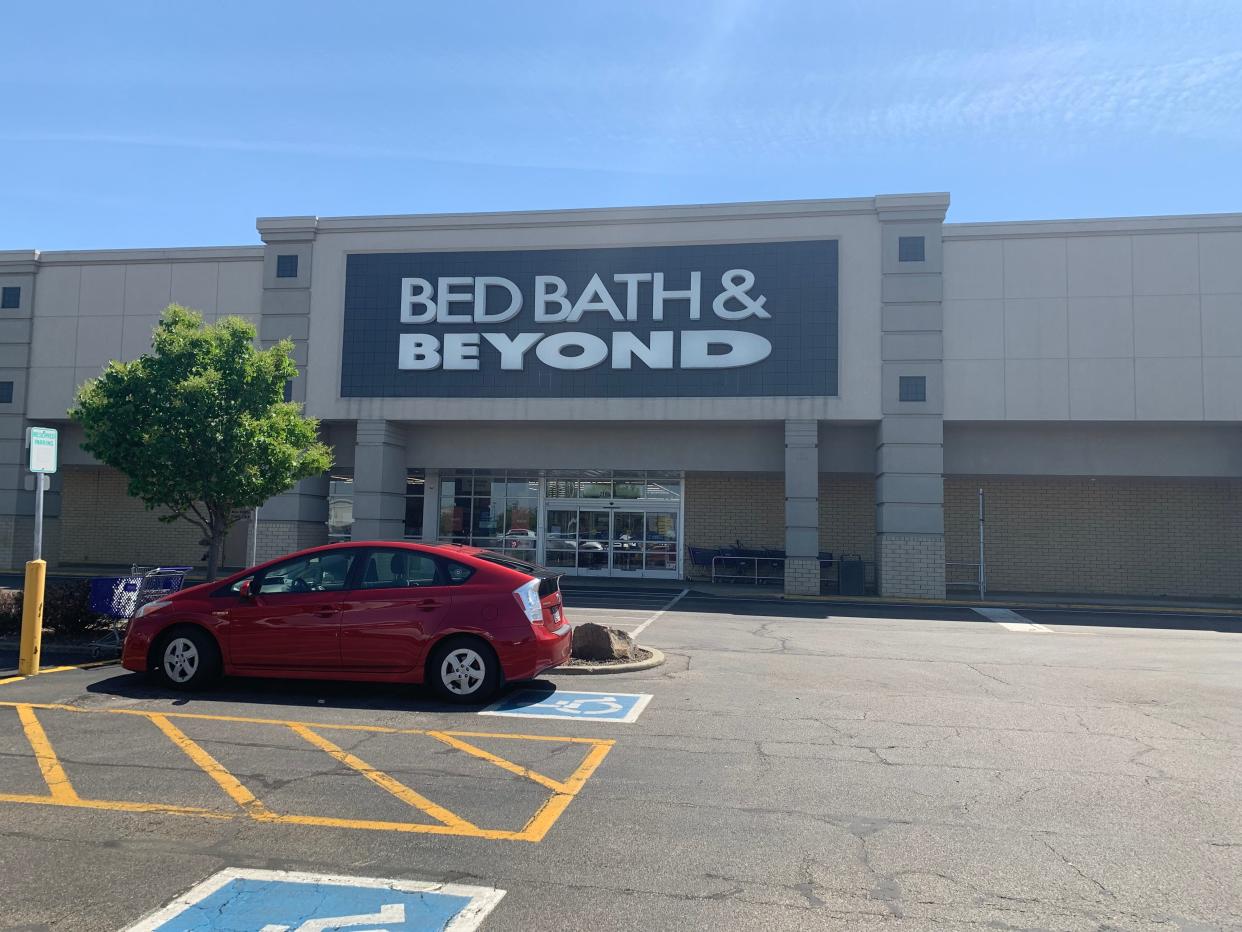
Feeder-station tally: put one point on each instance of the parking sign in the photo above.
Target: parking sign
(43, 442)
(237, 900)
(578, 706)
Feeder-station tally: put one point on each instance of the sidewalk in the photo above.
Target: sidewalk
(1012, 600)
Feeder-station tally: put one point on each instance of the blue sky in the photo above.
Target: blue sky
(160, 124)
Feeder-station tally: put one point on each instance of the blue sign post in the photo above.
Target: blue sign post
(236, 900)
(578, 706)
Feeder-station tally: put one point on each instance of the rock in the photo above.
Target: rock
(600, 642)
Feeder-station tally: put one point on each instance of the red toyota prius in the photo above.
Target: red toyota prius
(461, 619)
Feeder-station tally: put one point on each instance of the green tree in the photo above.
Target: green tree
(200, 426)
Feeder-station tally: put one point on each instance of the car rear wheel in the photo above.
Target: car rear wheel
(464, 670)
(186, 658)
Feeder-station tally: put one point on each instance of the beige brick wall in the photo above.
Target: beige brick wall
(101, 524)
(722, 509)
(911, 566)
(847, 515)
(1149, 537)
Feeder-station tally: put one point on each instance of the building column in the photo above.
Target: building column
(379, 481)
(910, 438)
(802, 507)
(431, 506)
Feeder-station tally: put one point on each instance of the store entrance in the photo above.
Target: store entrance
(629, 541)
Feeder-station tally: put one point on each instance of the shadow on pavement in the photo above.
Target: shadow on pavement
(302, 694)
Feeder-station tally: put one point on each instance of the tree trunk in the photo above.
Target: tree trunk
(215, 546)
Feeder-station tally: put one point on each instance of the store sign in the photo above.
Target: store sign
(737, 319)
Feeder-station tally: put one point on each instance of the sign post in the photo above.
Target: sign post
(43, 443)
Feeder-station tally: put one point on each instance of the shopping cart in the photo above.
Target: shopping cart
(118, 598)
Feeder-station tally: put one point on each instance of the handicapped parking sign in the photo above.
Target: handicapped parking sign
(583, 707)
(237, 900)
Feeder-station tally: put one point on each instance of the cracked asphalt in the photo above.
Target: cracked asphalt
(801, 766)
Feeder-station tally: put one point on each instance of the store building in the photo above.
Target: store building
(606, 390)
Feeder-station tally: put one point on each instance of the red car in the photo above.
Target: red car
(461, 619)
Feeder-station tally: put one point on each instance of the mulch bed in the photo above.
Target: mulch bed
(643, 654)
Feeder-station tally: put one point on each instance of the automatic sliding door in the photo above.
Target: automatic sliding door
(594, 532)
(627, 543)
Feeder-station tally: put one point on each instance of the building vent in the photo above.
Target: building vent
(287, 266)
(6, 393)
(10, 297)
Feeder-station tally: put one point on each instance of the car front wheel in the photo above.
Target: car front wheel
(186, 658)
(464, 670)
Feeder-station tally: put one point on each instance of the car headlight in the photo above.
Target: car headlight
(151, 607)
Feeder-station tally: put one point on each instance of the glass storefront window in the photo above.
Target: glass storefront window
(340, 504)
(415, 489)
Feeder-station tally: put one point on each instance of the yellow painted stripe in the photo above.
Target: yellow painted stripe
(551, 810)
(554, 785)
(214, 769)
(318, 726)
(467, 831)
(383, 780)
(561, 740)
(113, 805)
(11, 679)
(49, 764)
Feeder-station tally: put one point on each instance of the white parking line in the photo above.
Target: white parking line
(1009, 619)
(671, 602)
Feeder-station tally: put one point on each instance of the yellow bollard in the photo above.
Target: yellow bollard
(32, 618)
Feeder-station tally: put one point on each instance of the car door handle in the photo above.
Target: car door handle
(428, 605)
(324, 611)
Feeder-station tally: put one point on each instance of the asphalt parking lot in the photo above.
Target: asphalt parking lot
(798, 765)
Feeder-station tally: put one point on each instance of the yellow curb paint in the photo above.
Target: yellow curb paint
(77, 666)
(383, 780)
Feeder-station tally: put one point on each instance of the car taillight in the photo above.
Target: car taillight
(527, 596)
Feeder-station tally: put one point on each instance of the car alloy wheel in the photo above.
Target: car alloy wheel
(463, 671)
(181, 660)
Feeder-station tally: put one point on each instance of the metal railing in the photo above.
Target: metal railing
(762, 571)
(967, 576)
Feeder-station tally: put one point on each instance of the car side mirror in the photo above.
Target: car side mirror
(244, 590)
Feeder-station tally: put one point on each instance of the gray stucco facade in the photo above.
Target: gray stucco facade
(889, 346)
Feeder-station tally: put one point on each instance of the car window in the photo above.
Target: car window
(320, 572)
(457, 573)
(399, 569)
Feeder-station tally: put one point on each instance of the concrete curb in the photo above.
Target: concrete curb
(1031, 606)
(655, 660)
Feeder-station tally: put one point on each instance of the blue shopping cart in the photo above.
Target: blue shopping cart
(119, 598)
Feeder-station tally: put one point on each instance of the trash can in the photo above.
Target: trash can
(851, 575)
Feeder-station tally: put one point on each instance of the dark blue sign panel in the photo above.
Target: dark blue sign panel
(740, 319)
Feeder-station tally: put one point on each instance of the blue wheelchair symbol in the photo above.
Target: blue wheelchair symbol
(583, 707)
(285, 901)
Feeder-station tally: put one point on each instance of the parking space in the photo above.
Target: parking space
(350, 776)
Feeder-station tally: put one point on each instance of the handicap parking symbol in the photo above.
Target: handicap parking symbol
(237, 900)
(583, 707)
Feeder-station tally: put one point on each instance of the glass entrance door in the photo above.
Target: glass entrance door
(631, 541)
